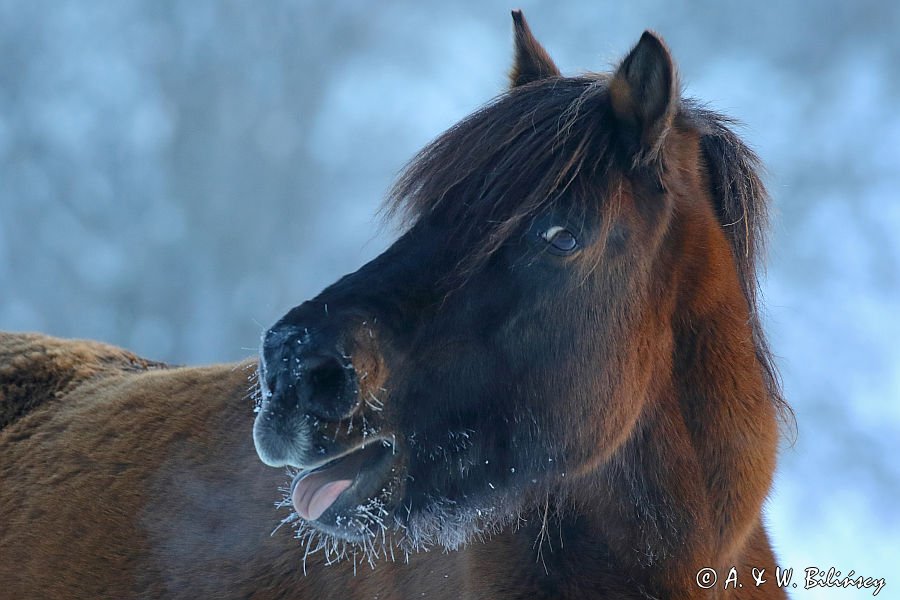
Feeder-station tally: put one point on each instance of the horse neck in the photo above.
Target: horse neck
(724, 407)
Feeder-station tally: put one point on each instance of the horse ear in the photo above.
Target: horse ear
(644, 96)
(532, 62)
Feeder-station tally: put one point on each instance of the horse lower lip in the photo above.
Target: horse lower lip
(314, 491)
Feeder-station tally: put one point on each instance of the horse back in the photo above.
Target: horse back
(36, 369)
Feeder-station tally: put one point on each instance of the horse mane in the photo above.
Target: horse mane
(525, 149)
(35, 369)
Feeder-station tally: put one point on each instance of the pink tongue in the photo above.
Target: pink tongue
(311, 500)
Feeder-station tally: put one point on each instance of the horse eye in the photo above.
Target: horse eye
(560, 239)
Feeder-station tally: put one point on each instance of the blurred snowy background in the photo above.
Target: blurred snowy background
(175, 175)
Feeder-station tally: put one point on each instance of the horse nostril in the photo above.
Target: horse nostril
(329, 387)
(326, 380)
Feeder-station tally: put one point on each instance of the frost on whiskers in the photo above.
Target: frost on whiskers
(254, 389)
(442, 523)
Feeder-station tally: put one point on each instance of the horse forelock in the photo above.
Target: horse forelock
(500, 166)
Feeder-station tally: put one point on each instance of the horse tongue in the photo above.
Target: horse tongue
(312, 497)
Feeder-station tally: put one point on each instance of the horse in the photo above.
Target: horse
(554, 384)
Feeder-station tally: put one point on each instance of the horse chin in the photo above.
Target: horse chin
(450, 525)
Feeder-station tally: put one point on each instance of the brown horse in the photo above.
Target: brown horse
(555, 379)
